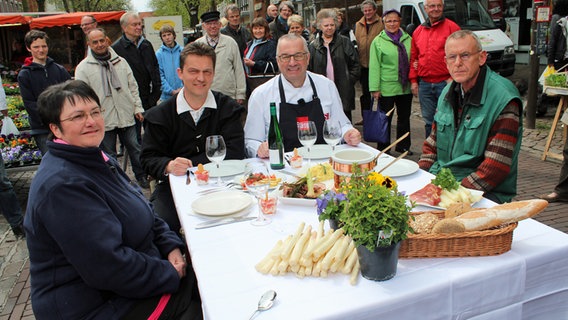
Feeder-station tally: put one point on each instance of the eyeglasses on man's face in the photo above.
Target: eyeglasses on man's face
(81, 117)
(87, 24)
(300, 56)
(464, 56)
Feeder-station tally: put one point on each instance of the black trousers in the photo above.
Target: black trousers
(164, 206)
(185, 304)
(403, 104)
(366, 95)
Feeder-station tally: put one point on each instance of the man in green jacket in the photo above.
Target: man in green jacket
(477, 128)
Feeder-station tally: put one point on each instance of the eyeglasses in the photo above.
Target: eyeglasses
(465, 56)
(300, 56)
(432, 6)
(82, 117)
(87, 24)
(392, 21)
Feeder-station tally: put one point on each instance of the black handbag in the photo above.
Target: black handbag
(255, 80)
(376, 124)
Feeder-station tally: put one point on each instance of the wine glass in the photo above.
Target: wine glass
(307, 134)
(254, 172)
(216, 150)
(332, 133)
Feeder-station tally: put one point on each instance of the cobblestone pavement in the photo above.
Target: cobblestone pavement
(535, 177)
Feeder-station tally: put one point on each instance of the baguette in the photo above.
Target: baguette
(501, 214)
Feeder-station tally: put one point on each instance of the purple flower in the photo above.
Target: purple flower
(322, 203)
(340, 197)
(36, 155)
(27, 156)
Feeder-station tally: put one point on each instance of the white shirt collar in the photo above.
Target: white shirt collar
(183, 106)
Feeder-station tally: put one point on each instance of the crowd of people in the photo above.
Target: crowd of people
(99, 249)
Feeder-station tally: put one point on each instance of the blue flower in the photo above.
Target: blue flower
(322, 204)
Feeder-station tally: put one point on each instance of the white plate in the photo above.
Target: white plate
(221, 203)
(303, 201)
(400, 168)
(297, 201)
(318, 151)
(283, 178)
(473, 192)
(226, 168)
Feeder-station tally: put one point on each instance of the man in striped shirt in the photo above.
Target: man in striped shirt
(477, 128)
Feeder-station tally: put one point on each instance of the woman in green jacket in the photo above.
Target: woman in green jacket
(388, 75)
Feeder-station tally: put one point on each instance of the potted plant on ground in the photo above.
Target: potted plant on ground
(376, 216)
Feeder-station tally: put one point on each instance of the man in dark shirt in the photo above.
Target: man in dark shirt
(141, 57)
(234, 28)
(176, 130)
(36, 75)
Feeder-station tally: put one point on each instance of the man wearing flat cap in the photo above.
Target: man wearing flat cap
(229, 72)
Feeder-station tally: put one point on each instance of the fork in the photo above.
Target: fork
(228, 185)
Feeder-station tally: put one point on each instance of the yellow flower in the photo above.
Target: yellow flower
(379, 179)
(369, 196)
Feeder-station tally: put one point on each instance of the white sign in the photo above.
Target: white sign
(152, 27)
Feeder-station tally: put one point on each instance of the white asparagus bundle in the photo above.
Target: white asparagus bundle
(312, 253)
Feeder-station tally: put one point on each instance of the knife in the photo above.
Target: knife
(219, 222)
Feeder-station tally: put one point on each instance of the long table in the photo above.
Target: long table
(528, 282)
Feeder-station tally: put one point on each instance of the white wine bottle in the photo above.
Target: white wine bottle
(275, 142)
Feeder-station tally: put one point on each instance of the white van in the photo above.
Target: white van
(470, 15)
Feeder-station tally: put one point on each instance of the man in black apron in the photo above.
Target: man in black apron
(300, 96)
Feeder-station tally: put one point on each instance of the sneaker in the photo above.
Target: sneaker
(19, 231)
(143, 183)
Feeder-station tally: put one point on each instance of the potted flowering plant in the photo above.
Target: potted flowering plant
(375, 215)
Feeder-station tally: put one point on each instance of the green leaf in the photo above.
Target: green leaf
(445, 179)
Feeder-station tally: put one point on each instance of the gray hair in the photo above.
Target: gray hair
(461, 34)
(326, 14)
(96, 29)
(370, 3)
(126, 16)
(426, 2)
(231, 7)
(287, 3)
(291, 37)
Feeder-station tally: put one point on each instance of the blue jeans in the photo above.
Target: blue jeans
(428, 94)
(128, 139)
(8, 201)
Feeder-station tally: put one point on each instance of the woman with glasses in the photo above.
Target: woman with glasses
(389, 67)
(97, 250)
(335, 57)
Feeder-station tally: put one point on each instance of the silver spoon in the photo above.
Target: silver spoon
(265, 302)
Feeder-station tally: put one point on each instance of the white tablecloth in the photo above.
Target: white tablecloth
(528, 282)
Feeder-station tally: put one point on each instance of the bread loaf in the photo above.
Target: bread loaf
(501, 214)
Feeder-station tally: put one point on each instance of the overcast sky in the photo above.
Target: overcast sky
(140, 5)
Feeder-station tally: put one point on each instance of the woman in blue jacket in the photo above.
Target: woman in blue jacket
(260, 54)
(97, 250)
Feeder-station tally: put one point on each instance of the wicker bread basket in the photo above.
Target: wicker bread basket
(464, 244)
